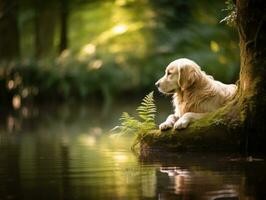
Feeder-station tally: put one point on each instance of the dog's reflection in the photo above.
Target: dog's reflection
(178, 177)
(184, 182)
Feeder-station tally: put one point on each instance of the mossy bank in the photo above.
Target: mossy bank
(216, 132)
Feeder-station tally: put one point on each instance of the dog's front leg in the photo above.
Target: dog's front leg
(169, 122)
(186, 119)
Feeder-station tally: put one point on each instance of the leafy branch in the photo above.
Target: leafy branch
(230, 19)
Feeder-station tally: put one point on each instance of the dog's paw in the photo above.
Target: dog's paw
(165, 126)
(181, 124)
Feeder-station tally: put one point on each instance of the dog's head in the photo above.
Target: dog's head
(179, 75)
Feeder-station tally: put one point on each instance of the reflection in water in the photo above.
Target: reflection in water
(68, 154)
(183, 181)
(229, 192)
(12, 123)
(179, 178)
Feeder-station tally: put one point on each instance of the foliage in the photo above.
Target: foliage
(231, 13)
(145, 121)
(147, 109)
(53, 80)
(131, 44)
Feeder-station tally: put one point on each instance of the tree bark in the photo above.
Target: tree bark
(240, 125)
(9, 32)
(251, 23)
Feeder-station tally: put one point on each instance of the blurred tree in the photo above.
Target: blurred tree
(9, 33)
(45, 22)
(174, 14)
(64, 9)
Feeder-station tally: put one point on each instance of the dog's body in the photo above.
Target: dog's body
(194, 93)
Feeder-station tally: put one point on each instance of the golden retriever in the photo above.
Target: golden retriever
(194, 93)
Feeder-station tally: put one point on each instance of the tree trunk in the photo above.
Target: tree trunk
(63, 23)
(9, 33)
(45, 21)
(240, 125)
(251, 23)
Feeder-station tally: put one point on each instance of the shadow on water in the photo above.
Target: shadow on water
(65, 152)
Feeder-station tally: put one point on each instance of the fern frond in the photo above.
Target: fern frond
(128, 123)
(147, 109)
(146, 112)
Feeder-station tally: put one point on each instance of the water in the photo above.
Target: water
(66, 153)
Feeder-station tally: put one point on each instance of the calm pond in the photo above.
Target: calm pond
(67, 153)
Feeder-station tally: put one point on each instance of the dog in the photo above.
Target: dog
(194, 93)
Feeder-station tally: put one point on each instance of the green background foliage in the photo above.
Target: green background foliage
(114, 47)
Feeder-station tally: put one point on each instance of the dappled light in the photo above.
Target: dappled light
(88, 49)
(88, 140)
(119, 29)
(96, 64)
(16, 102)
(214, 46)
(120, 157)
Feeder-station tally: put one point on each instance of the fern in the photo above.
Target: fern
(129, 124)
(146, 118)
(147, 109)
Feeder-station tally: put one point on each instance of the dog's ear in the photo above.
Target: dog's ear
(187, 77)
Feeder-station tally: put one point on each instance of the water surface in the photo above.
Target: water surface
(67, 153)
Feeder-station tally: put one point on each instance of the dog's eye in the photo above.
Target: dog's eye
(168, 73)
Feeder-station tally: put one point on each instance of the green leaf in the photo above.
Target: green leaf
(146, 113)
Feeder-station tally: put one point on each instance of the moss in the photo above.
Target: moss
(218, 131)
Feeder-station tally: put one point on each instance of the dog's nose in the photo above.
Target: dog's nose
(157, 84)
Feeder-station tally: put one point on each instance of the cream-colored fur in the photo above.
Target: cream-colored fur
(194, 93)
